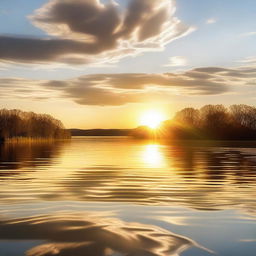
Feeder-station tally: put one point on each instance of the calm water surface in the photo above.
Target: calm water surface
(116, 196)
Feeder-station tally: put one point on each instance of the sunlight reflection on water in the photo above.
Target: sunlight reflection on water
(152, 156)
(205, 194)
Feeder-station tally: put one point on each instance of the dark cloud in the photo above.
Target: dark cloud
(119, 89)
(41, 50)
(88, 31)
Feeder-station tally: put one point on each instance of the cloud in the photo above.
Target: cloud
(119, 89)
(211, 21)
(248, 240)
(20, 88)
(88, 31)
(177, 61)
(250, 61)
(252, 33)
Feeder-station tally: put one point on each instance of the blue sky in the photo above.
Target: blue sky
(224, 36)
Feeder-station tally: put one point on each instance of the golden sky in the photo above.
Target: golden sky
(93, 63)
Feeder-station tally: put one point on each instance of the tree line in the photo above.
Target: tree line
(237, 122)
(16, 123)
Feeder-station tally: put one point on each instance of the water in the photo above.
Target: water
(116, 196)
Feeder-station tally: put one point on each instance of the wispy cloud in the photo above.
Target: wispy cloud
(88, 31)
(177, 61)
(119, 89)
(211, 21)
(248, 240)
(249, 61)
(252, 33)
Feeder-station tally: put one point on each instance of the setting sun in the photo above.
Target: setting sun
(152, 119)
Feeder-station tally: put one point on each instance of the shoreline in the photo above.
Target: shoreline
(29, 140)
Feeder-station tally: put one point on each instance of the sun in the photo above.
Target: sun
(152, 119)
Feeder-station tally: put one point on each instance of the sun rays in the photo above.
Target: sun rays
(152, 119)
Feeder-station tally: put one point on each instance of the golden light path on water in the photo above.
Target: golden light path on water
(152, 156)
(174, 198)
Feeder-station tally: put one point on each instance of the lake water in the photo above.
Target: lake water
(117, 196)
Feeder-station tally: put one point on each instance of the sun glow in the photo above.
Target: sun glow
(152, 119)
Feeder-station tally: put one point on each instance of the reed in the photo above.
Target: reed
(31, 140)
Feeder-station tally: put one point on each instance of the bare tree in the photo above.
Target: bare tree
(16, 123)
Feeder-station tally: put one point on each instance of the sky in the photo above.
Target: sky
(102, 64)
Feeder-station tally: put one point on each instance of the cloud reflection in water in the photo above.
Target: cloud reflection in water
(70, 234)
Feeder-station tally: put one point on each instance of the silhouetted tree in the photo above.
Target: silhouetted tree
(188, 117)
(217, 122)
(244, 115)
(186, 124)
(238, 122)
(16, 123)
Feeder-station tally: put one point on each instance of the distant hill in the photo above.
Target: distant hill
(100, 132)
